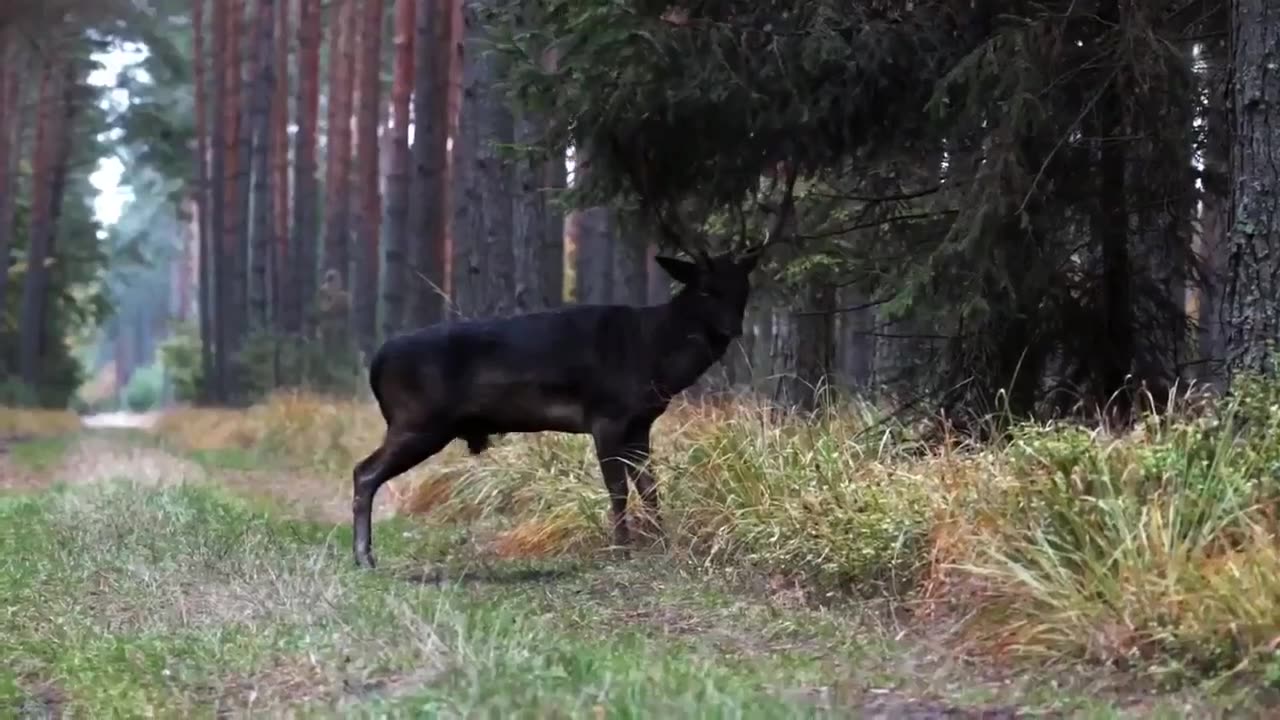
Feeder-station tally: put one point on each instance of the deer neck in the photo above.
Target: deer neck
(684, 349)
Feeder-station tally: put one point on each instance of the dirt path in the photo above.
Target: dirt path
(121, 421)
(101, 455)
(900, 679)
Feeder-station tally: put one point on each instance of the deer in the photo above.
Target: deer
(604, 370)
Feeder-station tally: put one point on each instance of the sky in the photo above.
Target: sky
(112, 196)
(107, 177)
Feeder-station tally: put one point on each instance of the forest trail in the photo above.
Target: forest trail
(643, 636)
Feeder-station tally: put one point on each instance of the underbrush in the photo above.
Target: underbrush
(16, 422)
(1156, 548)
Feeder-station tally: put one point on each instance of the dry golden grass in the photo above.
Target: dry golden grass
(29, 423)
(1062, 542)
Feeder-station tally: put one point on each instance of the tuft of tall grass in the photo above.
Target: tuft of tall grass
(1156, 547)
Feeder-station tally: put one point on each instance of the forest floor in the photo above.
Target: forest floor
(142, 581)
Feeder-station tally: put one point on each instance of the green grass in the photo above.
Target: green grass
(41, 454)
(187, 602)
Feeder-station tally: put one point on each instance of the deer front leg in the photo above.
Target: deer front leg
(638, 455)
(610, 451)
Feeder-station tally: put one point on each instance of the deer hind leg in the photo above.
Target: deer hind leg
(400, 451)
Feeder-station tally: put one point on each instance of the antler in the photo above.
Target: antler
(668, 219)
(782, 214)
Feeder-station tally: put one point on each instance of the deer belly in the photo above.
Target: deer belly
(515, 409)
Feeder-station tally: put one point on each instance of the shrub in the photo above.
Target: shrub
(145, 389)
(180, 355)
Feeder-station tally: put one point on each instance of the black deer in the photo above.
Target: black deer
(605, 370)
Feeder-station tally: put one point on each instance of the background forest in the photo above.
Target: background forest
(1015, 207)
(1026, 236)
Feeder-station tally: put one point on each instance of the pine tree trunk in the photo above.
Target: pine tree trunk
(234, 228)
(245, 64)
(338, 148)
(281, 255)
(1252, 311)
(539, 247)
(593, 231)
(529, 216)
(1213, 247)
(1111, 231)
(370, 216)
(428, 210)
(857, 346)
(306, 212)
(484, 261)
(550, 260)
(630, 266)
(10, 149)
(260, 121)
(219, 255)
(203, 207)
(52, 153)
(814, 347)
(398, 177)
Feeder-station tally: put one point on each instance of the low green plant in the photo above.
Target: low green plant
(180, 354)
(145, 388)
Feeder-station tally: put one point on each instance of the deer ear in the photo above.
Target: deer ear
(680, 270)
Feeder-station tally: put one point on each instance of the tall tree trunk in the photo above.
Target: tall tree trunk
(1252, 309)
(52, 155)
(10, 149)
(594, 234)
(398, 177)
(428, 211)
(1111, 229)
(484, 261)
(550, 257)
(539, 253)
(857, 346)
(281, 255)
(248, 52)
(369, 223)
(260, 120)
(630, 265)
(337, 197)
(231, 256)
(306, 211)
(813, 336)
(203, 206)
(1215, 215)
(220, 255)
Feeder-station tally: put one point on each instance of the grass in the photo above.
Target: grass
(1153, 551)
(41, 454)
(125, 599)
(24, 423)
(811, 567)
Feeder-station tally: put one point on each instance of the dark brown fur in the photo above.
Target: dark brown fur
(604, 370)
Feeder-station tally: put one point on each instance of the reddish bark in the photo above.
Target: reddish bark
(202, 199)
(341, 62)
(280, 166)
(306, 224)
(10, 113)
(366, 297)
(398, 176)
